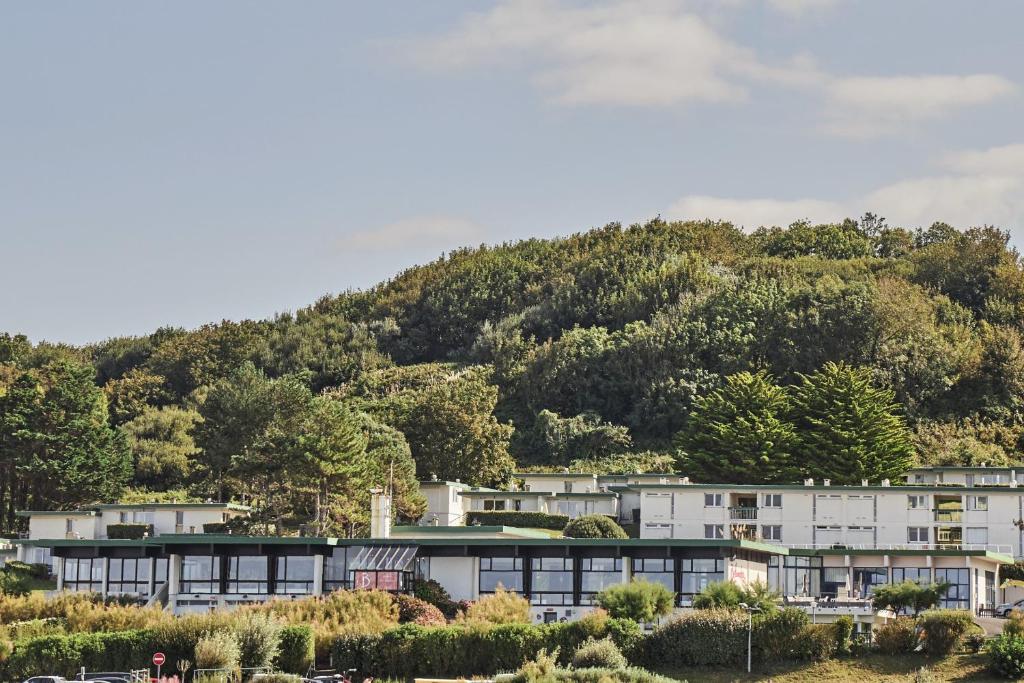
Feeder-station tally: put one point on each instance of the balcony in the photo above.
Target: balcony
(949, 515)
(743, 513)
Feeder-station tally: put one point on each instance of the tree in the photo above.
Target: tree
(556, 440)
(129, 395)
(162, 446)
(908, 596)
(639, 600)
(730, 594)
(739, 431)
(848, 429)
(594, 526)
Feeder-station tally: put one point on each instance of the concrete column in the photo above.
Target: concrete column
(318, 574)
(151, 588)
(173, 581)
(105, 581)
(973, 592)
(627, 569)
(849, 575)
(58, 566)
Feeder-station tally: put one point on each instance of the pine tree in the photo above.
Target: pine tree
(739, 433)
(849, 430)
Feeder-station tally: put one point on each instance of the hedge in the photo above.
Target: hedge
(295, 653)
(129, 531)
(534, 520)
(411, 651)
(65, 655)
(215, 528)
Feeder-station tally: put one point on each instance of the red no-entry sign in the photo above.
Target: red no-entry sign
(159, 658)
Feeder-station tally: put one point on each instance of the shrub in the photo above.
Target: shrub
(639, 601)
(434, 593)
(279, 678)
(177, 637)
(718, 595)
(975, 642)
(543, 668)
(534, 520)
(707, 637)
(1006, 656)
(779, 635)
(129, 531)
(501, 607)
(908, 596)
(594, 526)
(64, 655)
(295, 652)
(1014, 624)
(598, 653)
(215, 528)
(816, 643)
(412, 610)
(843, 627)
(218, 650)
(259, 636)
(942, 630)
(898, 636)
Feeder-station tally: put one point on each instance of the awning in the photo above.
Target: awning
(395, 558)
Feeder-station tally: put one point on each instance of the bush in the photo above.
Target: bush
(129, 531)
(898, 636)
(280, 678)
(215, 528)
(434, 593)
(816, 643)
(177, 637)
(1006, 656)
(64, 655)
(975, 642)
(728, 594)
(543, 668)
(707, 637)
(534, 520)
(639, 601)
(598, 653)
(217, 650)
(594, 526)
(501, 607)
(258, 636)
(295, 652)
(843, 627)
(412, 610)
(779, 635)
(943, 630)
(908, 596)
(1014, 624)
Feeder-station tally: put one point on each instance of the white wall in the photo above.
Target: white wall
(55, 526)
(458, 575)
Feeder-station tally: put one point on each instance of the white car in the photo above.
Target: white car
(1004, 609)
(46, 679)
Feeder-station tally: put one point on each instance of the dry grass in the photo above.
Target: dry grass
(888, 669)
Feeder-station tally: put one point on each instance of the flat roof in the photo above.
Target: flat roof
(904, 552)
(557, 475)
(493, 493)
(470, 529)
(175, 506)
(55, 513)
(960, 468)
(444, 482)
(835, 488)
(587, 494)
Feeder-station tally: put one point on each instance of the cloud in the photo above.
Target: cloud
(421, 232)
(798, 8)
(869, 106)
(649, 53)
(981, 187)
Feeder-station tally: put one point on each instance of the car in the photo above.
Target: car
(1004, 609)
(45, 679)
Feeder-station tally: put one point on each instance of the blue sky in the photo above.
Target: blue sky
(179, 163)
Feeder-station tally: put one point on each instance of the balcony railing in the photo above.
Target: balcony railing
(742, 513)
(949, 515)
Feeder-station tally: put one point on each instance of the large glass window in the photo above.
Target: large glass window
(835, 582)
(506, 572)
(866, 578)
(129, 575)
(697, 573)
(959, 594)
(294, 575)
(336, 569)
(795, 575)
(596, 574)
(83, 574)
(919, 575)
(659, 570)
(200, 574)
(247, 574)
(551, 580)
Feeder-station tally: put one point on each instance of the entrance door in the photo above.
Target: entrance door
(990, 589)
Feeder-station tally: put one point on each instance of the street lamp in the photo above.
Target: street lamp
(750, 629)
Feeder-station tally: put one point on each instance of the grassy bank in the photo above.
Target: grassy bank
(867, 668)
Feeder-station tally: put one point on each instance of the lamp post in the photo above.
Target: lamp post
(750, 630)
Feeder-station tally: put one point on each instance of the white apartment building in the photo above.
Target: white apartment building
(963, 476)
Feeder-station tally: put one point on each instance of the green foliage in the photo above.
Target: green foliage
(533, 520)
(217, 650)
(594, 526)
(598, 654)
(728, 594)
(555, 439)
(899, 636)
(1014, 624)
(296, 649)
(740, 428)
(908, 596)
(844, 633)
(434, 593)
(129, 531)
(64, 655)
(1006, 656)
(639, 600)
(162, 445)
(413, 610)
(943, 630)
(706, 637)
(500, 607)
(259, 637)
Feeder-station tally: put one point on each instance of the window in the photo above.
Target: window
(517, 504)
(795, 575)
(247, 574)
(336, 569)
(697, 573)
(917, 534)
(294, 575)
(69, 526)
(568, 487)
(835, 581)
(959, 594)
(506, 572)
(916, 502)
(83, 573)
(866, 578)
(919, 575)
(179, 517)
(771, 532)
(129, 575)
(596, 574)
(714, 531)
(712, 500)
(977, 536)
(494, 505)
(551, 579)
(772, 500)
(200, 574)
(977, 502)
(122, 517)
(918, 478)
(142, 517)
(656, 570)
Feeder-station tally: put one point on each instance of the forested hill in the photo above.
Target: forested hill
(848, 350)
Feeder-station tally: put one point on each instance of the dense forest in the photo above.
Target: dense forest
(845, 350)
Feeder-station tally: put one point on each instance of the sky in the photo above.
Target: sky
(181, 163)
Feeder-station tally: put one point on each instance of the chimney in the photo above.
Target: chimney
(1013, 483)
(885, 482)
(826, 482)
(863, 482)
(380, 514)
(808, 482)
(433, 477)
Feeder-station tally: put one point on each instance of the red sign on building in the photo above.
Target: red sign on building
(385, 581)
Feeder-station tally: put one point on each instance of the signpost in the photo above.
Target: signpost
(158, 659)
